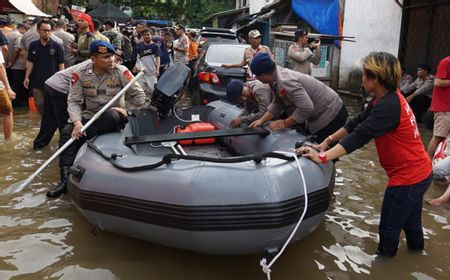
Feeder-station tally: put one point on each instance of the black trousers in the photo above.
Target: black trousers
(333, 126)
(109, 121)
(54, 117)
(16, 78)
(420, 105)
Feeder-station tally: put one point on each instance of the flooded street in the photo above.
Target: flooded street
(44, 238)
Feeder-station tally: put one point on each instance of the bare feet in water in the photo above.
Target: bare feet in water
(435, 201)
(440, 200)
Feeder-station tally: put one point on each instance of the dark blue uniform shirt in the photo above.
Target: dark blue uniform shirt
(3, 40)
(46, 60)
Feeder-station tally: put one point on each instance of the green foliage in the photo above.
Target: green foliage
(192, 13)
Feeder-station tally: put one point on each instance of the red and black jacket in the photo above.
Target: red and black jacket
(391, 122)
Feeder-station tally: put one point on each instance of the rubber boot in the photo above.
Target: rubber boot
(62, 185)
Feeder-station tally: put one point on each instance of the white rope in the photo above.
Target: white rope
(174, 109)
(170, 132)
(263, 263)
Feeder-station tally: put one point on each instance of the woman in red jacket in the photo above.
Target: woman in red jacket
(391, 122)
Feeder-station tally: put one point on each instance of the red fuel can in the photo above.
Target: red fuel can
(196, 127)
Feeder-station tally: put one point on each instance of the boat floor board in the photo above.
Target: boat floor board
(195, 135)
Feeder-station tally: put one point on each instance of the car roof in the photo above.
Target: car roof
(228, 44)
(218, 30)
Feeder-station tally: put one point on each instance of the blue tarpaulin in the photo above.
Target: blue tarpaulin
(157, 22)
(322, 15)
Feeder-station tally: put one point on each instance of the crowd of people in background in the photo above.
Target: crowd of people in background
(173, 44)
(36, 49)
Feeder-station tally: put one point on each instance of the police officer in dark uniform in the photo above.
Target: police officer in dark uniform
(92, 86)
(256, 97)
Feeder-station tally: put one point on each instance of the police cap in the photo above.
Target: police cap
(234, 89)
(101, 47)
(262, 63)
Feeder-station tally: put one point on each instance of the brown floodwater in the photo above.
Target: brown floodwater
(44, 238)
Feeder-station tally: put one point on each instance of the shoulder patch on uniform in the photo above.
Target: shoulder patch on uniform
(75, 78)
(283, 92)
(128, 74)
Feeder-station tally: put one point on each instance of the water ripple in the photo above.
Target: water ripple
(438, 218)
(422, 276)
(56, 223)
(77, 272)
(31, 253)
(29, 200)
(6, 221)
(351, 255)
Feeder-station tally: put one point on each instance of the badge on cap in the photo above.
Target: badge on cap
(102, 49)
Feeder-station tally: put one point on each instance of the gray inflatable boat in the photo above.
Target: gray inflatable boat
(234, 196)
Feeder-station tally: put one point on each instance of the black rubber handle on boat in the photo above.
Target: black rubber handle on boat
(167, 159)
(256, 157)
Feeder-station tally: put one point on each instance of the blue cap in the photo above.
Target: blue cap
(234, 89)
(101, 47)
(262, 63)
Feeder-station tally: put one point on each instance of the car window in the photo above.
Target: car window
(217, 38)
(219, 54)
(220, 39)
(215, 35)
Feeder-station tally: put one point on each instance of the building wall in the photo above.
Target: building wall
(241, 4)
(257, 5)
(47, 6)
(376, 27)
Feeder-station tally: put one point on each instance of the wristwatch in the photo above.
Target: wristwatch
(323, 157)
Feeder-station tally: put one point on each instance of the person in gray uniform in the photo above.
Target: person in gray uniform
(317, 106)
(92, 86)
(256, 97)
(303, 54)
(419, 93)
(55, 116)
(68, 39)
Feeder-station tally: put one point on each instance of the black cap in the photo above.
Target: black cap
(300, 33)
(425, 67)
(109, 22)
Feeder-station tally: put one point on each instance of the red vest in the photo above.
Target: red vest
(401, 151)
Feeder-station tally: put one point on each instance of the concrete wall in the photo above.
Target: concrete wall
(375, 24)
(257, 5)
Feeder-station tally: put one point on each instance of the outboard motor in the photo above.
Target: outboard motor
(170, 87)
